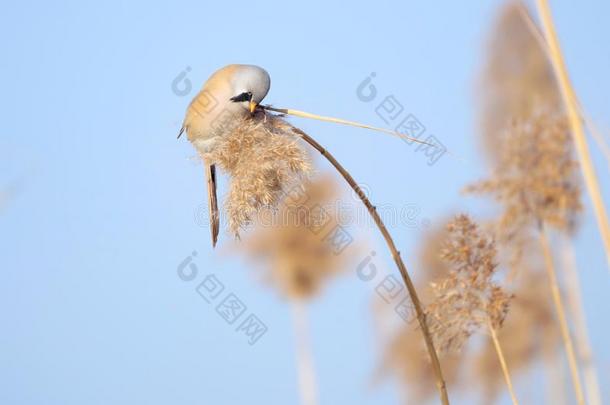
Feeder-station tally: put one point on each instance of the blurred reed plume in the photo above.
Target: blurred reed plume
(515, 80)
(535, 177)
(518, 97)
(298, 260)
(262, 156)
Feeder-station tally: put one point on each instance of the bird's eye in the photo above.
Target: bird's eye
(246, 96)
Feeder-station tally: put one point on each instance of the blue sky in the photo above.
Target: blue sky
(91, 308)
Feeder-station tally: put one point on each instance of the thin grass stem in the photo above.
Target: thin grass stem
(581, 334)
(561, 315)
(303, 114)
(509, 384)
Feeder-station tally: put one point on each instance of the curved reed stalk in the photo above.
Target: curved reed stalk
(580, 140)
(563, 323)
(509, 384)
(421, 315)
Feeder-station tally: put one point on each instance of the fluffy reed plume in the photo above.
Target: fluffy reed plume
(529, 334)
(298, 258)
(516, 78)
(264, 160)
(535, 178)
(467, 300)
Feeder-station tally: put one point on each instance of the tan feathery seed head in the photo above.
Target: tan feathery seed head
(262, 156)
(297, 257)
(516, 78)
(467, 298)
(536, 177)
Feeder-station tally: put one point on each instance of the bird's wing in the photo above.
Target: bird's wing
(210, 174)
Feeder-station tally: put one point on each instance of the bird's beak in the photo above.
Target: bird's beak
(253, 106)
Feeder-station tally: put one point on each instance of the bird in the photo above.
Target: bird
(230, 94)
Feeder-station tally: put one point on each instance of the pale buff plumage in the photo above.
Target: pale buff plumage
(214, 112)
(213, 109)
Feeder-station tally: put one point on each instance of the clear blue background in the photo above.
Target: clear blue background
(91, 309)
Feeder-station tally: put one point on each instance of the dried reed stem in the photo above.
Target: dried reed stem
(595, 132)
(307, 376)
(303, 114)
(559, 307)
(421, 316)
(509, 384)
(583, 343)
(580, 140)
(598, 137)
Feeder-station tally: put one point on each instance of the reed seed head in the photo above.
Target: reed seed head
(467, 298)
(264, 160)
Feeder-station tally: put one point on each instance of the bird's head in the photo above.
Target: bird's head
(250, 86)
